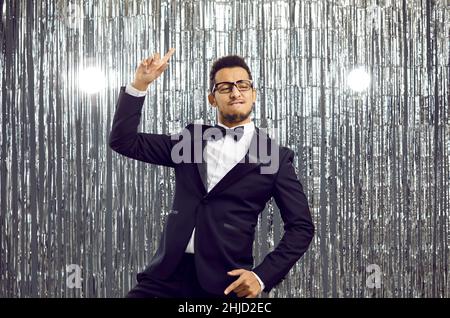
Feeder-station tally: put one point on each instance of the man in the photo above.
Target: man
(206, 246)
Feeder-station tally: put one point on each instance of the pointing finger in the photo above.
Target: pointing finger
(168, 55)
(233, 285)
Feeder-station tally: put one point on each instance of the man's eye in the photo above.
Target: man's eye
(244, 85)
(225, 88)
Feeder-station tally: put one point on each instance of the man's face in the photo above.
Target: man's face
(235, 106)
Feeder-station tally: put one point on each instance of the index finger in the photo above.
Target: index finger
(233, 285)
(167, 56)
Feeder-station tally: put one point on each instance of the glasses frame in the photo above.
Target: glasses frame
(234, 84)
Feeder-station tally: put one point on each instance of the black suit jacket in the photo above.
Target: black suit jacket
(225, 218)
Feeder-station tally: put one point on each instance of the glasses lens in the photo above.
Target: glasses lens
(224, 87)
(227, 87)
(244, 85)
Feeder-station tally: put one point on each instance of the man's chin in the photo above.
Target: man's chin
(235, 117)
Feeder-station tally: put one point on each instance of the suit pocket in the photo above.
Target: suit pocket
(238, 230)
(231, 227)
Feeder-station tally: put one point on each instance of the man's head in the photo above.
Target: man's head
(231, 90)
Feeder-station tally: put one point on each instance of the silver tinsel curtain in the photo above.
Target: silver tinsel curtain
(374, 163)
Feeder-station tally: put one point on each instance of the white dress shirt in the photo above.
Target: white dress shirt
(225, 151)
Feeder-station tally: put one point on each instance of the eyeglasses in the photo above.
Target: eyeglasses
(227, 87)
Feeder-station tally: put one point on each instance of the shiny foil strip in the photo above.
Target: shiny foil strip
(78, 220)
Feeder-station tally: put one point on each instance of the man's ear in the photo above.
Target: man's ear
(254, 95)
(212, 100)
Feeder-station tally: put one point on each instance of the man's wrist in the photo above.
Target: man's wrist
(140, 86)
(259, 281)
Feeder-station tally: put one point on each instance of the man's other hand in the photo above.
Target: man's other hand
(246, 285)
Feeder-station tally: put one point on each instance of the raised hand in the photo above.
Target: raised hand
(150, 69)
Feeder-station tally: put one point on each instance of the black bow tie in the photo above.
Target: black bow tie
(217, 132)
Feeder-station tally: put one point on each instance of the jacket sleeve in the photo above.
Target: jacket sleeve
(125, 139)
(298, 225)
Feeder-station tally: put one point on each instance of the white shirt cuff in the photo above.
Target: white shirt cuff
(129, 89)
(260, 281)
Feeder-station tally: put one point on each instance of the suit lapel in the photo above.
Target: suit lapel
(201, 165)
(203, 169)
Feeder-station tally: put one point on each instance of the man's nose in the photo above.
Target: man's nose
(235, 92)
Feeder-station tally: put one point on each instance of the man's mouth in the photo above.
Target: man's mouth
(237, 102)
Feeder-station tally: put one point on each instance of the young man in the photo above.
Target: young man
(223, 182)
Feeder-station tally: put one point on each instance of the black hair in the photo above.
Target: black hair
(224, 62)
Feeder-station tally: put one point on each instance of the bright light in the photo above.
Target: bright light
(358, 79)
(91, 80)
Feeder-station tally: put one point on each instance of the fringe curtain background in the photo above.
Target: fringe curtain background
(375, 164)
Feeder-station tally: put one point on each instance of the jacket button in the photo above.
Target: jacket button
(205, 199)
